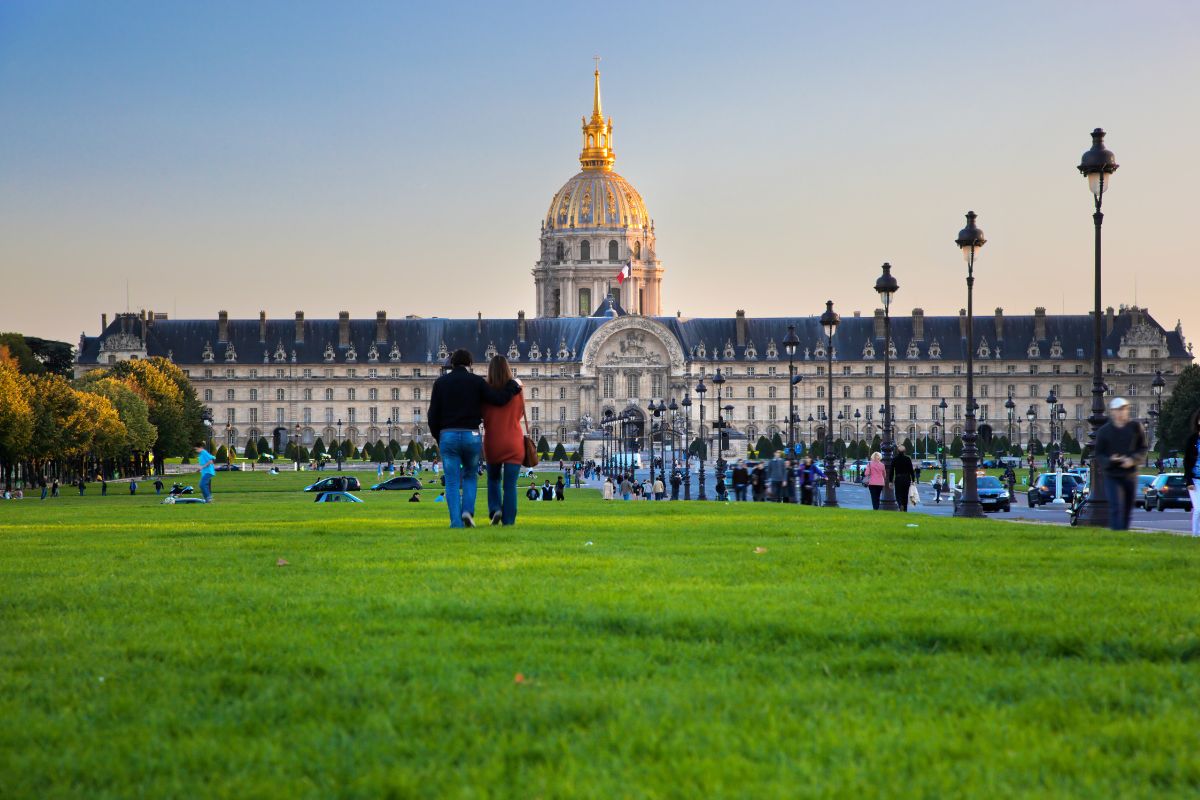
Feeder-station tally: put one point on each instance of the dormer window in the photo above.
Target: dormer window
(1034, 351)
(772, 350)
(750, 353)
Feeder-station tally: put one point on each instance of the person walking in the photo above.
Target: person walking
(1120, 449)
(208, 469)
(876, 478)
(937, 488)
(103, 486)
(559, 489)
(660, 492)
(158, 485)
(455, 414)
(608, 490)
(741, 479)
(807, 478)
(777, 473)
(626, 488)
(45, 486)
(901, 476)
(676, 482)
(758, 483)
(54, 488)
(1191, 468)
(503, 445)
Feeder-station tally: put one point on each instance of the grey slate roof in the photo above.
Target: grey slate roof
(419, 340)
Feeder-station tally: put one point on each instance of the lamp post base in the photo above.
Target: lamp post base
(887, 501)
(1094, 514)
(971, 510)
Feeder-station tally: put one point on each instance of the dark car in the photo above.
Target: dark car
(1169, 490)
(1143, 486)
(993, 495)
(1042, 491)
(337, 483)
(229, 468)
(405, 482)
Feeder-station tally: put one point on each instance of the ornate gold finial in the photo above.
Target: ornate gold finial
(597, 151)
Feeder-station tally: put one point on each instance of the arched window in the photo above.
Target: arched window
(585, 251)
(591, 140)
(612, 250)
(602, 140)
(560, 253)
(637, 249)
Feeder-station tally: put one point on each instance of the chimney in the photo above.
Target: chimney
(520, 326)
(1108, 319)
(343, 329)
(103, 322)
(381, 336)
(222, 326)
(857, 314)
(478, 323)
(150, 318)
(299, 327)
(879, 323)
(741, 328)
(262, 327)
(142, 320)
(1039, 323)
(962, 322)
(918, 323)
(999, 324)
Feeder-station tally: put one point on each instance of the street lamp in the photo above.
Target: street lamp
(887, 286)
(790, 344)
(391, 438)
(606, 422)
(829, 321)
(339, 445)
(686, 402)
(970, 240)
(726, 439)
(718, 424)
(701, 390)
(857, 419)
(1157, 386)
(296, 446)
(1031, 416)
(810, 436)
(1097, 165)
(228, 443)
(943, 406)
(672, 408)
(1052, 409)
(1010, 407)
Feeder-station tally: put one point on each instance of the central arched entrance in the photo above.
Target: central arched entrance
(634, 430)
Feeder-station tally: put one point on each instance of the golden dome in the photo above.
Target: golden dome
(597, 199)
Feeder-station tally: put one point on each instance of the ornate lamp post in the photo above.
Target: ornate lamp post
(857, 439)
(718, 424)
(668, 412)
(1097, 165)
(1031, 416)
(970, 240)
(687, 444)
(605, 457)
(943, 406)
(1052, 413)
(228, 443)
(887, 286)
(701, 390)
(810, 436)
(1157, 386)
(339, 445)
(829, 321)
(1010, 407)
(391, 438)
(791, 343)
(296, 446)
(651, 413)
(1061, 412)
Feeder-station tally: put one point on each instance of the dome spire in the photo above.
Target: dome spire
(597, 153)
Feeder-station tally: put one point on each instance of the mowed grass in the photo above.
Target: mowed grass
(594, 650)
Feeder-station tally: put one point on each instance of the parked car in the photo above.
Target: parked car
(336, 497)
(229, 468)
(1043, 488)
(993, 495)
(929, 463)
(1143, 486)
(1011, 461)
(405, 482)
(1169, 490)
(337, 483)
(1172, 462)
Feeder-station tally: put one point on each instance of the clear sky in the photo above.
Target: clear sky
(362, 156)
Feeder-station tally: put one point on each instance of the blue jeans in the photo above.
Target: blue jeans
(1119, 492)
(206, 486)
(460, 459)
(506, 504)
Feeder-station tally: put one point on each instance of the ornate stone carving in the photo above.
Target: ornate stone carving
(868, 350)
(751, 353)
(351, 353)
(728, 350)
(125, 341)
(230, 353)
(1143, 335)
(772, 350)
(935, 349)
(514, 354)
(1056, 348)
(207, 354)
(635, 348)
(372, 353)
(535, 353)
(491, 351)
(913, 350)
(329, 354)
(280, 353)
(1034, 351)
(443, 352)
(983, 351)
(563, 351)
(394, 353)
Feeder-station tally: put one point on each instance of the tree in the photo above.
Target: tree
(410, 452)
(560, 452)
(394, 450)
(876, 444)
(264, 447)
(222, 455)
(318, 449)
(20, 351)
(907, 444)
(379, 452)
(956, 446)
(777, 443)
(1036, 447)
(432, 454)
(56, 358)
(16, 414)
(763, 445)
(303, 453)
(131, 409)
(543, 447)
(251, 451)
(1174, 424)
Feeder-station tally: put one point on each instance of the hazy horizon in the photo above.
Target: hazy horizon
(320, 157)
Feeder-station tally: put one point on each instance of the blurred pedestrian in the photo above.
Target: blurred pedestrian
(876, 478)
(1120, 449)
(901, 476)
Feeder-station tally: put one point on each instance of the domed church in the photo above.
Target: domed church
(596, 225)
(598, 345)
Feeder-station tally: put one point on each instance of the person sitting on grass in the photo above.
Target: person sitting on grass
(441, 498)
(416, 497)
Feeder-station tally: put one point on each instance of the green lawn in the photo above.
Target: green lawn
(595, 650)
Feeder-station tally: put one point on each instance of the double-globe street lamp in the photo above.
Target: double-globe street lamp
(791, 343)
(1054, 449)
(942, 406)
(970, 240)
(829, 321)
(887, 286)
(1156, 386)
(686, 402)
(1097, 165)
(718, 427)
(701, 390)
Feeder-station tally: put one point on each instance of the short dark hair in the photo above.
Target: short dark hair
(461, 358)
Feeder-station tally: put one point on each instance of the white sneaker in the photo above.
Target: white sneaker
(468, 520)
(496, 518)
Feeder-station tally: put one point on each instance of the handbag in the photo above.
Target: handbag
(531, 456)
(914, 497)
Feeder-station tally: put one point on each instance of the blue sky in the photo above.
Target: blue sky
(357, 156)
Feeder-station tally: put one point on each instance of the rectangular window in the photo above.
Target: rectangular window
(279, 394)
(585, 302)
(231, 416)
(279, 416)
(608, 385)
(308, 394)
(373, 414)
(351, 372)
(229, 395)
(656, 384)
(562, 391)
(372, 373)
(983, 390)
(912, 391)
(749, 412)
(394, 372)
(350, 415)
(912, 412)
(254, 395)
(957, 411)
(750, 371)
(935, 370)
(229, 373)
(307, 416)
(535, 413)
(208, 373)
(845, 369)
(208, 395)
(633, 385)
(372, 394)
(958, 390)
(935, 391)
(562, 412)
(533, 393)
(329, 372)
(417, 393)
(1033, 369)
(958, 369)
(253, 416)
(329, 416)
(329, 394)
(771, 370)
(395, 414)
(279, 373)
(771, 412)
(350, 394)
(395, 394)
(307, 373)
(867, 370)
(1033, 390)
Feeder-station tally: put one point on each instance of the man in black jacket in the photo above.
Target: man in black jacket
(741, 479)
(455, 414)
(1120, 449)
(901, 476)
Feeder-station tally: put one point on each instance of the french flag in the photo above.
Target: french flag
(626, 271)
